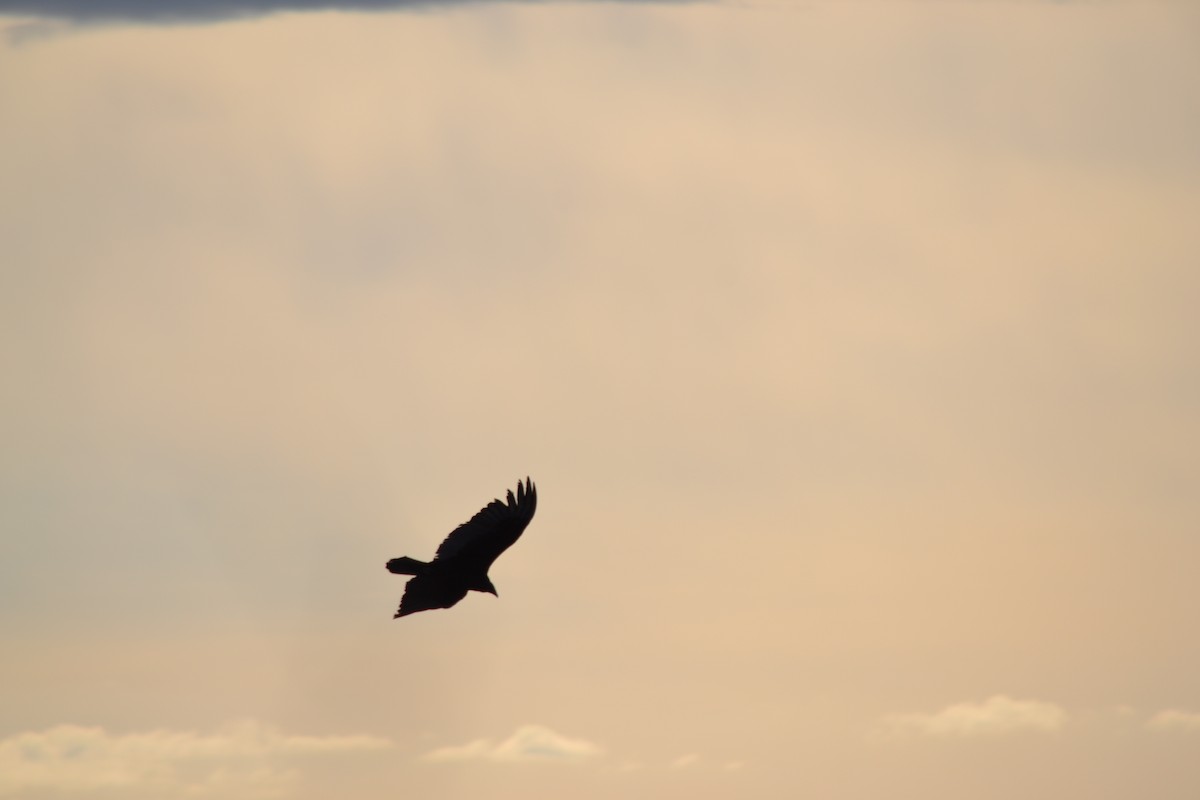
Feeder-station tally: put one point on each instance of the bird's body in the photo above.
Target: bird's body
(463, 559)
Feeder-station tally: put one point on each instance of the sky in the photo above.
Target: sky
(852, 347)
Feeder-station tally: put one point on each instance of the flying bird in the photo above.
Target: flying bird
(463, 559)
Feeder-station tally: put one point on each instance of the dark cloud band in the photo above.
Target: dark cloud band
(165, 11)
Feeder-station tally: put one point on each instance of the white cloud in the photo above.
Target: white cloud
(527, 743)
(1173, 719)
(996, 715)
(82, 759)
(685, 761)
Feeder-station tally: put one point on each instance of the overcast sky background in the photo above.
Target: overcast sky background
(853, 347)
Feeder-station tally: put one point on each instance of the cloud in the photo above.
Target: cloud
(685, 761)
(76, 758)
(528, 743)
(996, 715)
(1173, 719)
(169, 11)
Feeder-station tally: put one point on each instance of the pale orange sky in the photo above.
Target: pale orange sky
(853, 348)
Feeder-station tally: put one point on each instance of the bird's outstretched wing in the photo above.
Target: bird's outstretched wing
(490, 532)
(429, 591)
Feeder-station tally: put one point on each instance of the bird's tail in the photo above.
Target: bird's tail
(406, 566)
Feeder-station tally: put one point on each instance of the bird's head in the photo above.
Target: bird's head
(484, 584)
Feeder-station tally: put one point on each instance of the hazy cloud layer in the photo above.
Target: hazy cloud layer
(996, 715)
(75, 758)
(529, 743)
(1175, 720)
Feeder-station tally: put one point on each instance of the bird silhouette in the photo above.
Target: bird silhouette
(462, 560)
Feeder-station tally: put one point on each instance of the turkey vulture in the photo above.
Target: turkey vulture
(462, 560)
